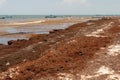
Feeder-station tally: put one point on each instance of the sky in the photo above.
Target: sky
(59, 7)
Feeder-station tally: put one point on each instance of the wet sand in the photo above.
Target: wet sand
(83, 51)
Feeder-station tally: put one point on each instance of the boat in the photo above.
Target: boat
(50, 16)
(2, 17)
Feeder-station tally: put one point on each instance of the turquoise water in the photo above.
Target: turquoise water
(37, 16)
(22, 16)
(19, 18)
(43, 16)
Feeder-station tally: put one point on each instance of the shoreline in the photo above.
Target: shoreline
(44, 21)
(25, 29)
(63, 54)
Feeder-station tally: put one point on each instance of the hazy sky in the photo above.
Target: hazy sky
(59, 7)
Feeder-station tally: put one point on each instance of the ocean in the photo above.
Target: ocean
(16, 17)
(13, 27)
(21, 26)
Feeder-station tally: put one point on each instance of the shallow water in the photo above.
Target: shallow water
(31, 29)
(8, 29)
(4, 40)
(42, 28)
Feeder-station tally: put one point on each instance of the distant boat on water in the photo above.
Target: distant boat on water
(4, 17)
(51, 16)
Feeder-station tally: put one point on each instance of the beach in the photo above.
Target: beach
(83, 50)
(24, 29)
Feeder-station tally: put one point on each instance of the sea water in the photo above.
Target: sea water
(29, 29)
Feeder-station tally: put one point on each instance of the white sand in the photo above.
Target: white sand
(104, 70)
(25, 23)
(114, 50)
(97, 32)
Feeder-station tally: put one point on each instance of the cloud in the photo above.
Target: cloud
(75, 1)
(2, 1)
